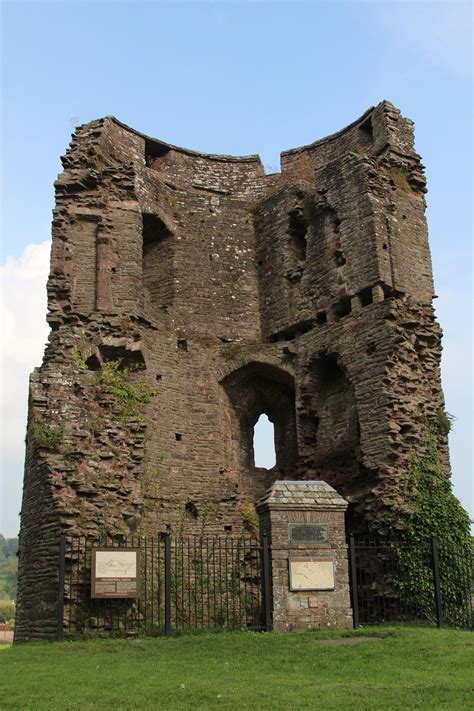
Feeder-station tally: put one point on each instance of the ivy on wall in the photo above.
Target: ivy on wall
(433, 510)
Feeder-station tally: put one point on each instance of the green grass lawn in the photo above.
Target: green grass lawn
(406, 668)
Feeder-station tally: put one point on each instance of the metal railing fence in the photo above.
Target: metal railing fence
(421, 581)
(186, 582)
(224, 582)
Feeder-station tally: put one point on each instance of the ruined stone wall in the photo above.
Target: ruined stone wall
(305, 295)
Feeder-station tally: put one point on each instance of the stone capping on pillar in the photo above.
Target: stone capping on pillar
(302, 495)
(305, 526)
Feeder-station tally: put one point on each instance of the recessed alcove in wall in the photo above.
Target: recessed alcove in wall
(329, 425)
(365, 135)
(366, 297)
(297, 230)
(157, 260)
(342, 308)
(337, 412)
(154, 152)
(326, 265)
(125, 356)
(253, 390)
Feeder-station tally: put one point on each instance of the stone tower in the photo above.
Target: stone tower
(305, 295)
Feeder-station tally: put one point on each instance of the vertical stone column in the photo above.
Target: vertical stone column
(304, 521)
(356, 303)
(377, 293)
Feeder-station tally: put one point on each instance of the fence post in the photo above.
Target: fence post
(167, 584)
(437, 581)
(353, 581)
(62, 572)
(267, 592)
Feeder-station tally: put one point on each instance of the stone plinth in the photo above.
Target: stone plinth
(304, 521)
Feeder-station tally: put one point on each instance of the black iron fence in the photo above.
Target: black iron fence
(421, 581)
(192, 582)
(213, 582)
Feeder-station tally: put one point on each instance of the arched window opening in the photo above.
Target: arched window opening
(264, 443)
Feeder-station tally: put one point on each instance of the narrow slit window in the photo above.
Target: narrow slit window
(264, 443)
(298, 228)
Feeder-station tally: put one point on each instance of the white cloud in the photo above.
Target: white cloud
(23, 335)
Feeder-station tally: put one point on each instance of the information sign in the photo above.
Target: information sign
(311, 574)
(115, 572)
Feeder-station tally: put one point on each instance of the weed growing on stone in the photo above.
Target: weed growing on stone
(46, 435)
(128, 399)
(78, 357)
(250, 518)
(399, 176)
(444, 422)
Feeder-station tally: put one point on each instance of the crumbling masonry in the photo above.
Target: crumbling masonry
(305, 295)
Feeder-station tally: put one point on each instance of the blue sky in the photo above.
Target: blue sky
(238, 78)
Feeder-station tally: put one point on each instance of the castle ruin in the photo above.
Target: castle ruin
(213, 293)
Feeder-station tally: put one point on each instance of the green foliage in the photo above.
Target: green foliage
(69, 450)
(212, 583)
(7, 611)
(8, 547)
(250, 518)
(113, 378)
(433, 510)
(46, 435)
(128, 399)
(233, 351)
(212, 579)
(8, 578)
(8, 567)
(78, 357)
(399, 176)
(95, 424)
(444, 422)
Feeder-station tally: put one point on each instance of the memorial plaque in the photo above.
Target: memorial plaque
(308, 533)
(115, 572)
(311, 574)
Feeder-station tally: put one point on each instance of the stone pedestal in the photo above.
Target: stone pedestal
(304, 522)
